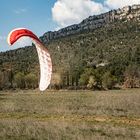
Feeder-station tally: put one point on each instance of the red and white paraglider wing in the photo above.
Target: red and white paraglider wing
(43, 54)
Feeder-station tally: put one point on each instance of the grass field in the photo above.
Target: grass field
(70, 115)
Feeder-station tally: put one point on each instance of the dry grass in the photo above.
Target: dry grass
(65, 115)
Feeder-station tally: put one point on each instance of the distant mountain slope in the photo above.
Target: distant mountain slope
(94, 22)
(108, 42)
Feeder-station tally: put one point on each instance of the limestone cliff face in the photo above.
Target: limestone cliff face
(94, 22)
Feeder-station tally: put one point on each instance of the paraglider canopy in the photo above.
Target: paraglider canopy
(15, 34)
(43, 54)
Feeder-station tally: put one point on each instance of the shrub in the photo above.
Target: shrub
(19, 79)
(31, 81)
(132, 77)
(109, 80)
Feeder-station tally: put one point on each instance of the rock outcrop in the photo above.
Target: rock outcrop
(94, 22)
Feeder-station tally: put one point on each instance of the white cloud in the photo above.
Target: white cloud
(113, 4)
(67, 12)
(19, 11)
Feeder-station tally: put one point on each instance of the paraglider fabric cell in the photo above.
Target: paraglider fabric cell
(43, 54)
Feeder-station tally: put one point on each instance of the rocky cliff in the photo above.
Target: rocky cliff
(94, 22)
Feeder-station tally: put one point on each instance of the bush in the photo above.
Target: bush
(19, 79)
(31, 81)
(109, 80)
(92, 78)
(132, 77)
(84, 78)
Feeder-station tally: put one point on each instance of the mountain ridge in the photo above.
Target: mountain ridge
(94, 22)
(95, 58)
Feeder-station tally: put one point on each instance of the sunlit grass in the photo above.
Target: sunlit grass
(70, 114)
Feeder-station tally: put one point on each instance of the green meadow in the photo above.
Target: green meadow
(70, 115)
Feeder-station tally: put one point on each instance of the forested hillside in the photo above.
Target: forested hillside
(105, 55)
(103, 58)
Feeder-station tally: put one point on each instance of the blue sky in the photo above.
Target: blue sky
(41, 16)
(32, 14)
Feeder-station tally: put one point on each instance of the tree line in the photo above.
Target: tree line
(105, 58)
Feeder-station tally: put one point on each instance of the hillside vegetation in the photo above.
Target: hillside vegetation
(104, 58)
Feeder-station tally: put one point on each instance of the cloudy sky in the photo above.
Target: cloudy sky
(41, 16)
